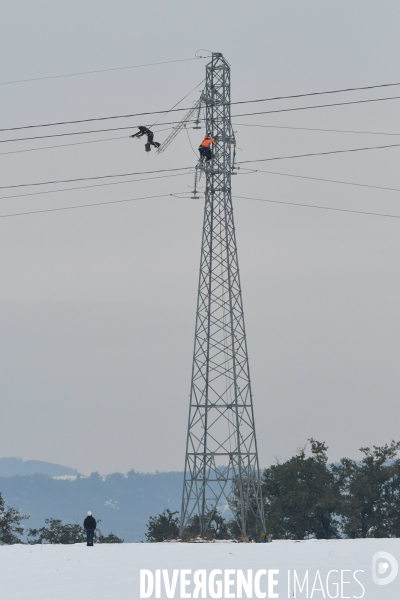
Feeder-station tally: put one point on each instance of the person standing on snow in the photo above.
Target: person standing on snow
(90, 525)
(204, 148)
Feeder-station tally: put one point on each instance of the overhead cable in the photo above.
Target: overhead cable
(47, 210)
(119, 137)
(167, 62)
(95, 185)
(165, 111)
(353, 89)
(165, 129)
(280, 110)
(128, 116)
(316, 129)
(171, 123)
(175, 105)
(346, 210)
(55, 135)
(375, 187)
(3, 187)
(191, 167)
(319, 153)
(250, 172)
(177, 195)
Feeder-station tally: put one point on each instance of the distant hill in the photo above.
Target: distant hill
(123, 503)
(16, 466)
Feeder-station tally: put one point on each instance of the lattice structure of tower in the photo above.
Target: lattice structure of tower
(221, 465)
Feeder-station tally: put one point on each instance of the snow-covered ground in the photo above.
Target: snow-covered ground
(339, 568)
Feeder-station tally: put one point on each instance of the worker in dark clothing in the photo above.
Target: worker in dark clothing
(90, 525)
(150, 137)
(204, 148)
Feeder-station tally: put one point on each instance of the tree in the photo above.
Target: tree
(10, 524)
(253, 525)
(164, 526)
(107, 539)
(217, 527)
(370, 492)
(55, 532)
(301, 496)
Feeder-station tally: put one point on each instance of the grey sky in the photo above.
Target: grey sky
(97, 305)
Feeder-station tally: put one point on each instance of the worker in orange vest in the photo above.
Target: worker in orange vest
(204, 148)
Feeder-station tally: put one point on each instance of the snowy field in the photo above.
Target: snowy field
(339, 568)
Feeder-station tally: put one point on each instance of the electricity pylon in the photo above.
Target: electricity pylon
(221, 450)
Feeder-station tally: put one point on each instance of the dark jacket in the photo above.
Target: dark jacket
(89, 523)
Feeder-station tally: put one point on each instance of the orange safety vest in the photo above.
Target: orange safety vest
(207, 141)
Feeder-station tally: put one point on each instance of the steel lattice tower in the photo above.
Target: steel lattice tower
(221, 448)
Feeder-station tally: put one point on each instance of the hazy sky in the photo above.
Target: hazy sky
(97, 306)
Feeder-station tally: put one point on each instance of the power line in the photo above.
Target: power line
(251, 172)
(164, 129)
(175, 123)
(353, 89)
(375, 187)
(39, 137)
(187, 168)
(316, 129)
(162, 112)
(84, 187)
(3, 187)
(175, 105)
(176, 194)
(319, 153)
(265, 112)
(347, 210)
(46, 210)
(165, 111)
(280, 110)
(120, 137)
(142, 114)
(100, 71)
(190, 142)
